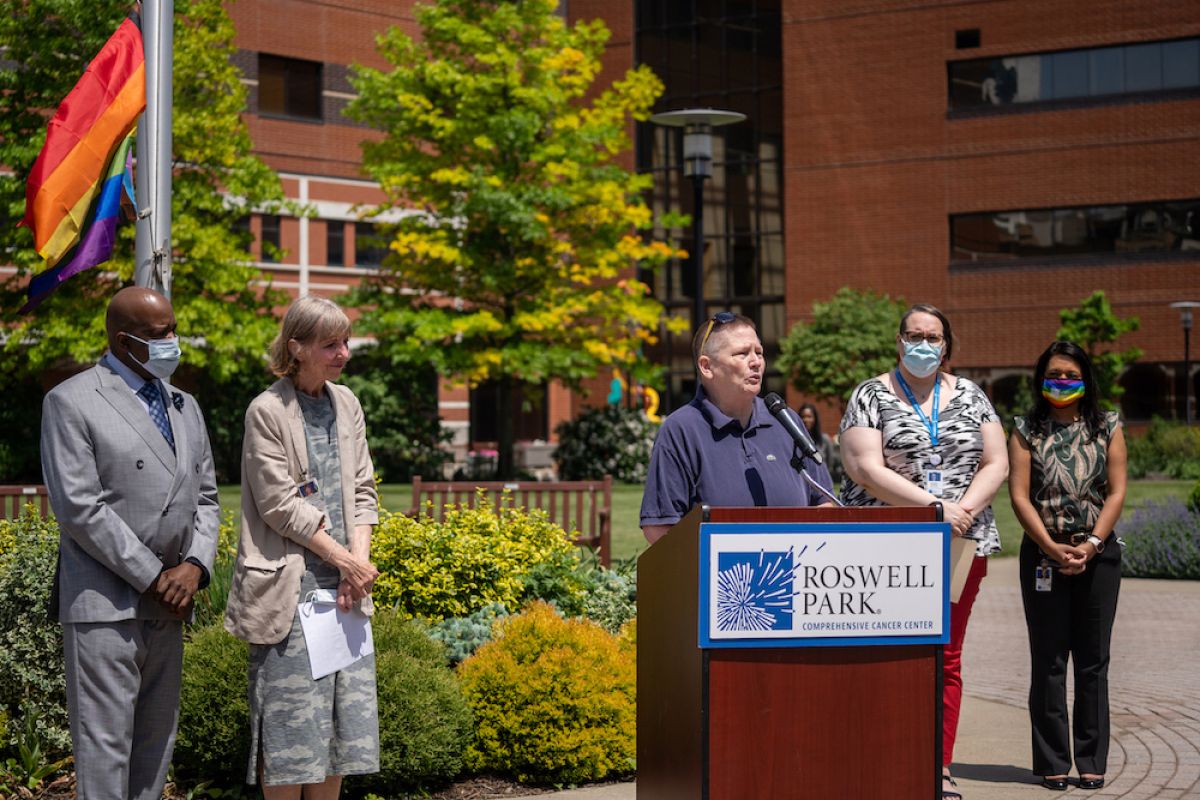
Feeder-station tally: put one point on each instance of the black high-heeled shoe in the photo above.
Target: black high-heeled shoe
(1091, 783)
(1056, 784)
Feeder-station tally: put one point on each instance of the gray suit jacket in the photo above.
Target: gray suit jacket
(127, 507)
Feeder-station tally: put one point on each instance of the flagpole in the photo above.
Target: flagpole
(153, 178)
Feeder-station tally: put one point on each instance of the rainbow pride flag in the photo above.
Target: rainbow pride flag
(81, 140)
(99, 237)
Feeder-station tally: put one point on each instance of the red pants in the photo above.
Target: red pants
(960, 612)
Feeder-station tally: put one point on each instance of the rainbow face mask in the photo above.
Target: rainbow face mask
(1062, 392)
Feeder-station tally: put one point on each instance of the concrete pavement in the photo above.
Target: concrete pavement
(1154, 689)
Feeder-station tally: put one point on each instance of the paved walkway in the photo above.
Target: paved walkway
(1154, 689)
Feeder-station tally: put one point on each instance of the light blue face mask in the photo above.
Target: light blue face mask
(163, 355)
(923, 359)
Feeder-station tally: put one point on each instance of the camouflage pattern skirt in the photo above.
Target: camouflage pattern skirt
(307, 730)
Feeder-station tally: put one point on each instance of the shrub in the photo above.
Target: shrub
(1194, 498)
(471, 559)
(1162, 540)
(30, 642)
(210, 603)
(608, 440)
(554, 700)
(611, 599)
(462, 636)
(1167, 448)
(424, 723)
(214, 714)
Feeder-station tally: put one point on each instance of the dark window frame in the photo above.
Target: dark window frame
(1144, 231)
(1006, 80)
(270, 233)
(301, 95)
(369, 254)
(332, 226)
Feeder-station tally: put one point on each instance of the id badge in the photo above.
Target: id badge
(933, 481)
(310, 492)
(1042, 577)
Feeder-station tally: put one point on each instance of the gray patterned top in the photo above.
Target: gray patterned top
(1068, 479)
(324, 466)
(907, 445)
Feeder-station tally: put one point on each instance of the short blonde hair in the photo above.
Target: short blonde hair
(308, 320)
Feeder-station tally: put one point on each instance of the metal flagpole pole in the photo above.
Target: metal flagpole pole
(153, 178)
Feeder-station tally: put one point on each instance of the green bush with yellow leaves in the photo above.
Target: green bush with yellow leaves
(554, 700)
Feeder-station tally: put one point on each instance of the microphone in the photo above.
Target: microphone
(781, 412)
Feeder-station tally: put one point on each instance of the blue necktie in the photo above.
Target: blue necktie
(158, 412)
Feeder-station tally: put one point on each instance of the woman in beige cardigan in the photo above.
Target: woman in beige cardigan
(308, 505)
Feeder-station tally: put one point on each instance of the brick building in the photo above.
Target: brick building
(1001, 160)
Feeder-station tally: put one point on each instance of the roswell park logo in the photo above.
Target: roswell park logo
(767, 589)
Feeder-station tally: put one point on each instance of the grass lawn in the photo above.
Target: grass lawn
(627, 501)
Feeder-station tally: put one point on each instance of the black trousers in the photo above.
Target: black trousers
(1074, 618)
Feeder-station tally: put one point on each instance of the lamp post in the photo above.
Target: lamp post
(1185, 318)
(697, 124)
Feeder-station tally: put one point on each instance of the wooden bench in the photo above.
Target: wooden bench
(585, 506)
(14, 498)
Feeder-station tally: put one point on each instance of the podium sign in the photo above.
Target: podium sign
(824, 584)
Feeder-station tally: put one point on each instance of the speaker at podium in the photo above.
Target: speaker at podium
(793, 654)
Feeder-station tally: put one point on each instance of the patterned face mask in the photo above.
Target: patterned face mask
(1062, 392)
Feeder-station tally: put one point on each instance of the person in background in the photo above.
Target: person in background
(724, 448)
(826, 446)
(1068, 486)
(308, 506)
(919, 435)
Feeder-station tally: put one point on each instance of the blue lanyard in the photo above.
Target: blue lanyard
(930, 425)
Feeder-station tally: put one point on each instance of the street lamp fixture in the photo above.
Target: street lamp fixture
(1185, 318)
(697, 124)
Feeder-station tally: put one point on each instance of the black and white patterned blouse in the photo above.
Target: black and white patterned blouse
(907, 446)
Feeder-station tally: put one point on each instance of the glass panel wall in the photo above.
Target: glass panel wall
(722, 54)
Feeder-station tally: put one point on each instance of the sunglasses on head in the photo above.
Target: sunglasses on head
(720, 318)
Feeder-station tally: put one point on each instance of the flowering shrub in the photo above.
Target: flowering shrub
(30, 642)
(472, 558)
(554, 700)
(1162, 540)
(609, 440)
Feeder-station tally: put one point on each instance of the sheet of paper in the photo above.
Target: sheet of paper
(335, 638)
(962, 554)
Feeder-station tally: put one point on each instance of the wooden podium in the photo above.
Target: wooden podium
(785, 723)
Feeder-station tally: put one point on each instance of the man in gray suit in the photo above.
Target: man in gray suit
(128, 467)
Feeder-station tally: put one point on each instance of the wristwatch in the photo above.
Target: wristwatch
(1097, 543)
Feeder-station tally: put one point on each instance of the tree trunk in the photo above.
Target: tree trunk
(506, 466)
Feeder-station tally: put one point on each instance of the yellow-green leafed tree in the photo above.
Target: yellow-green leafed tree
(512, 259)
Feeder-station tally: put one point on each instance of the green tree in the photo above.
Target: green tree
(511, 262)
(1091, 325)
(851, 338)
(223, 314)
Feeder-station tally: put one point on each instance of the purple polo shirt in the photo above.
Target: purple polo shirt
(703, 456)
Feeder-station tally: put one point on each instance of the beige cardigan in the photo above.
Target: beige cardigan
(276, 522)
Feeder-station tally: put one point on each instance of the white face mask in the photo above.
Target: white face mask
(163, 355)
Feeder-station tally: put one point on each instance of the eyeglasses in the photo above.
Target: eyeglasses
(720, 318)
(915, 337)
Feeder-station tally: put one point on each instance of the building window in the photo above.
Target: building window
(289, 87)
(530, 418)
(369, 245)
(1142, 69)
(718, 55)
(335, 243)
(270, 240)
(1127, 230)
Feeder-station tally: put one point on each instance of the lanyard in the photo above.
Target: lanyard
(931, 425)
